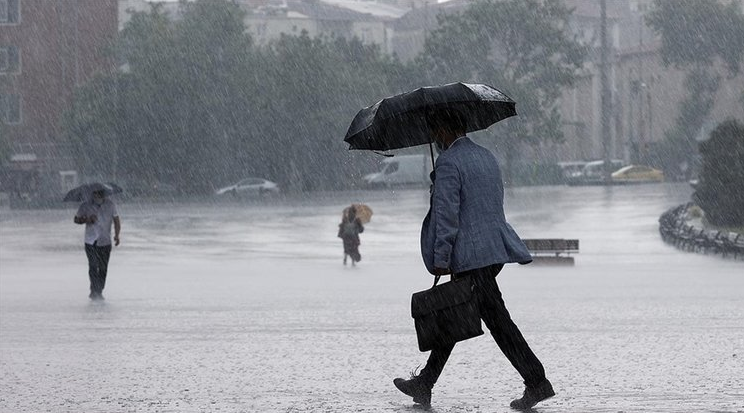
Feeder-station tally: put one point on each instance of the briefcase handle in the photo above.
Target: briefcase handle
(436, 279)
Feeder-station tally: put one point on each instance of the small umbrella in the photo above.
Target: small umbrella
(363, 212)
(85, 192)
(400, 121)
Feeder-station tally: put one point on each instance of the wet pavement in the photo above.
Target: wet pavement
(246, 307)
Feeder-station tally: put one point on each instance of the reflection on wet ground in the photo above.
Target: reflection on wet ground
(245, 306)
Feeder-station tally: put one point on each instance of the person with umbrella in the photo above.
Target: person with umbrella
(465, 233)
(97, 213)
(349, 230)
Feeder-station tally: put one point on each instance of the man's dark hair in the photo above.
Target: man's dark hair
(446, 118)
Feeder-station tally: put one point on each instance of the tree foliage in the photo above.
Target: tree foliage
(720, 192)
(200, 105)
(315, 87)
(522, 47)
(197, 104)
(698, 36)
(699, 33)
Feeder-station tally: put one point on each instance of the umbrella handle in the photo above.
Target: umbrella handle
(431, 151)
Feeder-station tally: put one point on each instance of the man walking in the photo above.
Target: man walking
(466, 234)
(98, 213)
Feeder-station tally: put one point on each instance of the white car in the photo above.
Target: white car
(250, 186)
(401, 170)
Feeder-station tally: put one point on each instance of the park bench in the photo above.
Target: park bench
(688, 237)
(736, 244)
(705, 241)
(726, 243)
(552, 250)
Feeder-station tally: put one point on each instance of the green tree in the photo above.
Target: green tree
(522, 47)
(702, 37)
(316, 86)
(188, 75)
(720, 192)
(200, 105)
(166, 117)
(90, 125)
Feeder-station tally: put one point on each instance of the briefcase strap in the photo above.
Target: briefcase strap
(452, 276)
(437, 277)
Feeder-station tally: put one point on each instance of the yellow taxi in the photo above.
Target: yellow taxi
(638, 173)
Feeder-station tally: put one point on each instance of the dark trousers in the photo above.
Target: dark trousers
(494, 314)
(98, 258)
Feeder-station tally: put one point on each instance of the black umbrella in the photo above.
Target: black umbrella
(400, 121)
(85, 192)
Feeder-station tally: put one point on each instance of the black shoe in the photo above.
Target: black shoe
(533, 396)
(416, 388)
(95, 296)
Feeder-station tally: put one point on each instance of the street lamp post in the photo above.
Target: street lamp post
(605, 93)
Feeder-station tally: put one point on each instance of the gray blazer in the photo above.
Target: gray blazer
(466, 227)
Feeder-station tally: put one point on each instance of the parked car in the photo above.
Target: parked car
(401, 170)
(592, 173)
(638, 173)
(572, 169)
(250, 186)
(595, 169)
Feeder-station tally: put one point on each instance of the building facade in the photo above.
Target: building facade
(645, 94)
(367, 21)
(47, 49)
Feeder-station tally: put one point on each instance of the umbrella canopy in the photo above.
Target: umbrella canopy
(363, 212)
(400, 121)
(85, 192)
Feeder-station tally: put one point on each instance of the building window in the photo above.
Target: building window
(10, 11)
(10, 59)
(10, 109)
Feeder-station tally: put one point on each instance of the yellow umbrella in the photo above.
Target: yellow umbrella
(363, 212)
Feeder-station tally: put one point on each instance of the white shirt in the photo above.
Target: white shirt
(98, 233)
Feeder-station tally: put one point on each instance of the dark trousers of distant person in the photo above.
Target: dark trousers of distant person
(494, 314)
(98, 259)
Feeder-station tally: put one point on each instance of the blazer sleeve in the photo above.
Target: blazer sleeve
(446, 209)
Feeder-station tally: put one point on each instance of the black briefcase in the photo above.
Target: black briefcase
(445, 314)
